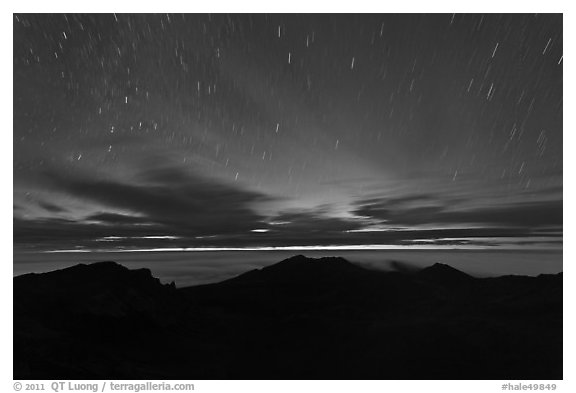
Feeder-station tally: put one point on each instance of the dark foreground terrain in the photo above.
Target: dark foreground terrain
(298, 319)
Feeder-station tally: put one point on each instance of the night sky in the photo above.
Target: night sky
(136, 131)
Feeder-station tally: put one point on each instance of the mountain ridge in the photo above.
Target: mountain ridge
(341, 320)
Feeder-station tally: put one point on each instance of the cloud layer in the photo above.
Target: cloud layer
(166, 206)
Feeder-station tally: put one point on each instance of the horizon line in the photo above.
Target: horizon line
(374, 247)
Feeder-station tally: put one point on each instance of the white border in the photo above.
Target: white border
(300, 6)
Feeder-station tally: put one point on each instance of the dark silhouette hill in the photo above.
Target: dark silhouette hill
(301, 318)
(105, 288)
(446, 275)
(300, 269)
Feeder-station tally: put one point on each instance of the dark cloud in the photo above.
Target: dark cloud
(195, 204)
(169, 201)
(54, 233)
(520, 214)
(51, 207)
(399, 201)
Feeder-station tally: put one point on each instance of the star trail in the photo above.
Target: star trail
(197, 131)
